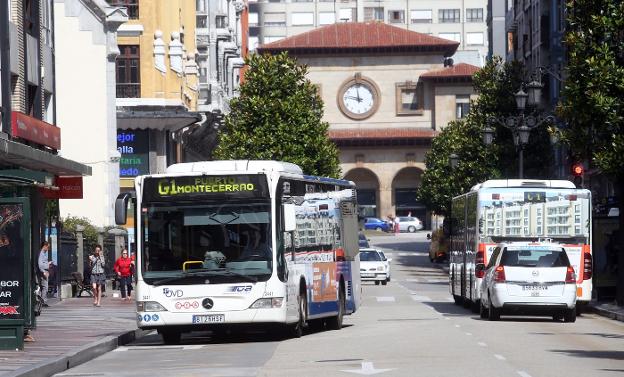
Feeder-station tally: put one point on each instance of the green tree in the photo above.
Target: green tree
(592, 96)
(278, 116)
(90, 232)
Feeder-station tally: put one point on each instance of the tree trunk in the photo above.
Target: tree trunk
(619, 196)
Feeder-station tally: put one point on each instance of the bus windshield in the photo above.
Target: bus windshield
(217, 242)
(516, 214)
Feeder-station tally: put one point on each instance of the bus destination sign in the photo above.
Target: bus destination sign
(194, 187)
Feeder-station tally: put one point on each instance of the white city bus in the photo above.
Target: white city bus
(227, 243)
(518, 210)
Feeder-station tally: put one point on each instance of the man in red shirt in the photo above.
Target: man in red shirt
(123, 268)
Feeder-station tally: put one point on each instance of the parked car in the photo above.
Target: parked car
(374, 223)
(373, 267)
(528, 278)
(409, 224)
(363, 241)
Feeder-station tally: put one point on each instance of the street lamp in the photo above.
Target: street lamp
(520, 125)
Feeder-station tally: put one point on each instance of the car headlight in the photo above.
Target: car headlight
(149, 306)
(381, 268)
(267, 303)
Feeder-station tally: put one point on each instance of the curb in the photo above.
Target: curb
(607, 313)
(78, 356)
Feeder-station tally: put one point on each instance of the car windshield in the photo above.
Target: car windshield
(534, 258)
(192, 241)
(373, 220)
(370, 256)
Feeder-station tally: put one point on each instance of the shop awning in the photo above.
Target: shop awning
(21, 155)
(163, 120)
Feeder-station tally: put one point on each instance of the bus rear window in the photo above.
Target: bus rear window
(534, 258)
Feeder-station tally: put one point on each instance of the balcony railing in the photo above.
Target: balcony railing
(126, 90)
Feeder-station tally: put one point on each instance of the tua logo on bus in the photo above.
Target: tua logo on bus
(171, 293)
(240, 289)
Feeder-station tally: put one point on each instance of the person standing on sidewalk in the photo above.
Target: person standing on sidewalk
(97, 274)
(44, 271)
(123, 268)
(397, 227)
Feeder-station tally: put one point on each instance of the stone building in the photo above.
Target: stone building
(387, 92)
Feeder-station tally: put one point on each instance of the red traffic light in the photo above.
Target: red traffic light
(577, 169)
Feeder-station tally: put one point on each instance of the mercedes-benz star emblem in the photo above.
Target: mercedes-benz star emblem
(535, 272)
(207, 303)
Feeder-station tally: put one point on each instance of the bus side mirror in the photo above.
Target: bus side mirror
(121, 208)
(290, 220)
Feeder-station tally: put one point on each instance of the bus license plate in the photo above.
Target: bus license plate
(209, 318)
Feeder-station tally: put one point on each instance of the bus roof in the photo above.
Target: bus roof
(524, 183)
(250, 166)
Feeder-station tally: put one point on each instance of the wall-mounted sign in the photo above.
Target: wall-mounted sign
(35, 130)
(133, 145)
(69, 188)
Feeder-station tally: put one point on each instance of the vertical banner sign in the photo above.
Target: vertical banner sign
(11, 262)
(133, 145)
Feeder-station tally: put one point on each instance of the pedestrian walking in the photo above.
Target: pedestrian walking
(44, 271)
(98, 279)
(123, 268)
(397, 227)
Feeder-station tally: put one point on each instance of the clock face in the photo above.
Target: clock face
(358, 99)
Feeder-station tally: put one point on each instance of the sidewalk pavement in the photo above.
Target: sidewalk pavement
(71, 332)
(607, 309)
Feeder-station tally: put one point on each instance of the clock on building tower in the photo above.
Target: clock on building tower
(358, 98)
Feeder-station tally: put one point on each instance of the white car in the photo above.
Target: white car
(409, 224)
(374, 266)
(528, 278)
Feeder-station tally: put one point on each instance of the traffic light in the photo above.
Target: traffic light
(578, 171)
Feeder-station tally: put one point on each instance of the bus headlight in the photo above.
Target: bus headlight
(267, 303)
(149, 306)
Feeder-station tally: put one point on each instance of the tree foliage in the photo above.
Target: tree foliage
(594, 88)
(496, 84)
(90, 232)
(278, 116)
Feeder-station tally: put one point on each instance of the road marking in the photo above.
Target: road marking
(386, 299)
(436, 280)
(447, 318)
(420, 298)
(523, 373)
(450, 299)
(482, 344)
(456, 325)
(499, 357)
(414, 254)
(367, 369)
(412, 280)
(469, 333)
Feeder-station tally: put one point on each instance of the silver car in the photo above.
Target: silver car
(409, 224)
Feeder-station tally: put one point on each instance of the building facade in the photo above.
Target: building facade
(89, 27)
(496, 27)
(463, 21)
(386, 96)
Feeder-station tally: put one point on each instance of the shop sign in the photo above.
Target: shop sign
(35, 130)
(11, 262)
(69, 188)
(133, 145)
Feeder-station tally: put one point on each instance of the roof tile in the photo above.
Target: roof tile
(384, 133)
(456, 71)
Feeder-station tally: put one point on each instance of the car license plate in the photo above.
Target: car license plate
(534, 287)
(367, 275)
(209, 318)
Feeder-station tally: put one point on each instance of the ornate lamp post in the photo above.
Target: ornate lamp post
(520, 125)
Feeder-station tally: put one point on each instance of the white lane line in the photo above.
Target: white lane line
(420, 298)
(450, 299)
(457, 326)
(469, 333)
(447, 318)
(499, 357)
(482, 344)
(386, 299)
(523, 373)
(414, 254)
(412, 280)
(436, 280)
